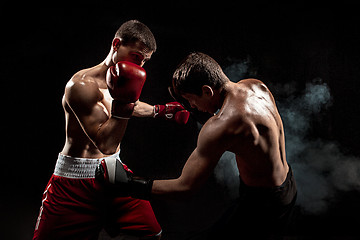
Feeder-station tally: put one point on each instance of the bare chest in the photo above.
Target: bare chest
(106, 101)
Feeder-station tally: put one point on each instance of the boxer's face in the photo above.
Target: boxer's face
(136, 53)
(203, 103)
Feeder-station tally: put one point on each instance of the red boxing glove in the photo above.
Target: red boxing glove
(125, 81)
(172, 111)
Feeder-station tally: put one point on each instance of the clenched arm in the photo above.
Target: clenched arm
(84, 99)
(212, 143)
(143, 109)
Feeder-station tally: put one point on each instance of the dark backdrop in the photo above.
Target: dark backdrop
(279, 43)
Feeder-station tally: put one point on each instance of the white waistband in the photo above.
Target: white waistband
(74, 167)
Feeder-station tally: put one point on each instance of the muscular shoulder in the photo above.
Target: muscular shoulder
(251, 81)
(82, 91)
(218, 133)
(233, 120)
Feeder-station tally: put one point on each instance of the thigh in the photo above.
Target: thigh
(132, 216)
(69, 210)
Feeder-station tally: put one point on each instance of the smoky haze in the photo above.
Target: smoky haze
(321, 168)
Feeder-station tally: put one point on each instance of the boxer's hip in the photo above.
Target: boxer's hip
(78, 168)
(276, 196)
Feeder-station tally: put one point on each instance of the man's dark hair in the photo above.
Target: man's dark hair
(132, 31)
(195, 71)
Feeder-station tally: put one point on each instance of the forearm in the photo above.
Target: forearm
(172, 111)
(141, 188)
(170, 189)
(195, 173)
(143, 109)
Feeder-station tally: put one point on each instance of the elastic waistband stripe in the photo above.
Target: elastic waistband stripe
(72, 167)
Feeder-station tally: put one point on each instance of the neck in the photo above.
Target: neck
(108, 60)
(104, 65)
(224, 92)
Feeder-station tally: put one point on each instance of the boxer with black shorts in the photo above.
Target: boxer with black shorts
(98, 102)
(245, 121)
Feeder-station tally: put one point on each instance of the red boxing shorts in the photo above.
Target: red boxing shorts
(76, 206)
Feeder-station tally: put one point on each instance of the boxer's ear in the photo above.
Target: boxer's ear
(207, 90)
(116, 43)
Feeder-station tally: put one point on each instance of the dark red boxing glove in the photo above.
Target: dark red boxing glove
(125, 81)
(172, 111)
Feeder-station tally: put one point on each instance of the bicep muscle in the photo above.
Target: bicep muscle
(83, 98)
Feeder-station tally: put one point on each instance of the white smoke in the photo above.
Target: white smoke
(238, 69)
(227, 175)
(320, 167)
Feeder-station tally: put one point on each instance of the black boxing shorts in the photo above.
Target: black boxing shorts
(267, 210)
(259, 212)
(276, 197)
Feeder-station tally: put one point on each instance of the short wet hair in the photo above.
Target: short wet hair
(195, 71)
(133, 31)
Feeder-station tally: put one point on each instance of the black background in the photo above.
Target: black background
(44, 47)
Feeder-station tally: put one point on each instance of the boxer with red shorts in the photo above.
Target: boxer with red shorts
(98, 103)
(75, 206)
